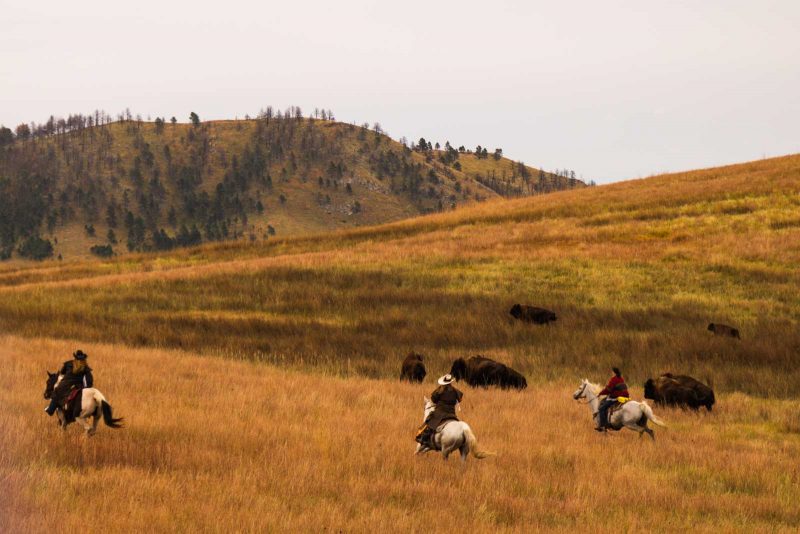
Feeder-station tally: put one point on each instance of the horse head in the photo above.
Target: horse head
(52, 378)
(581, 391)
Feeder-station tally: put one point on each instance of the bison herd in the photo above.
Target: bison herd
(479, 371)
(476, 371)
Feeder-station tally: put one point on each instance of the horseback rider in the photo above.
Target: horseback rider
(445, 397)
(616, 387)
(76, 374)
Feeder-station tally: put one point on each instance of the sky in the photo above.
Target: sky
(611, 90)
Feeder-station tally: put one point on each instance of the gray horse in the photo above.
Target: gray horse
(452, 435)
(633, 415)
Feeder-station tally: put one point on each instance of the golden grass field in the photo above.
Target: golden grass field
(215, 445)
(228, 339)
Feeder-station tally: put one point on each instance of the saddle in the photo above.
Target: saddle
(617, 406)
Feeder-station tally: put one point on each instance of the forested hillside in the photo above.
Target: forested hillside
(92, 184)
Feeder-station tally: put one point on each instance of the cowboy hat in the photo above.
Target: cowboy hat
(446, 379)
(79, 355)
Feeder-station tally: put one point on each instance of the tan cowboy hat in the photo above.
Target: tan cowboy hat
(446, 379)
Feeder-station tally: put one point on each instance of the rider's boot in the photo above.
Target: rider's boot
(602, 421)
(51, 408)
(424, 436)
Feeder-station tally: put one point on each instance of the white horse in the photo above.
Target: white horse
(452, 435)
(632, 414)
(93, 404)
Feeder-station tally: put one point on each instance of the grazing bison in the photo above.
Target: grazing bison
(532, 314)
(724, 330)
(680, 390)
(480, 371)
(413, 369)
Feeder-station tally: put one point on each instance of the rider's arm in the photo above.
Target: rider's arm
(88, 380)
(606, 390)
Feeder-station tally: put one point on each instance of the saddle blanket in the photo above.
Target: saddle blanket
(72, 394)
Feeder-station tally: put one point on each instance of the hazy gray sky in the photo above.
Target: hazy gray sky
(612, 90)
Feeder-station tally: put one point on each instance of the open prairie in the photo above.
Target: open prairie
(259, 382)
(220, 446)
(636, 271)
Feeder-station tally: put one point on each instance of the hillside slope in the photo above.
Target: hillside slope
(635, 271)
(153, 186)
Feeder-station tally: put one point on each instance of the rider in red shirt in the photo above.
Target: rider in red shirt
(616, 387)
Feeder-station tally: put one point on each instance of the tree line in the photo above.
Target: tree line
(152, 185)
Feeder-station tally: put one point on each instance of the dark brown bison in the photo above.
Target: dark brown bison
(679, 390)
(724, 330)
(413, 369)
(481, 371)
(532, 314)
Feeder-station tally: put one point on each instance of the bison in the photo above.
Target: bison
(679, 390)
(413, 369)
(724, 330)
(532, 314)
(481, 371)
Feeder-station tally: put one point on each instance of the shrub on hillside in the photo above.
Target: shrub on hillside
(104, 251)
(36, 248)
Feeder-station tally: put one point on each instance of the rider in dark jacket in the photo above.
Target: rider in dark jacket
(446, 396)
(76, 374)
(616, 387)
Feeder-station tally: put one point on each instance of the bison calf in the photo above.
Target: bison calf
(724, 330)
(413, 369)
(532, 314)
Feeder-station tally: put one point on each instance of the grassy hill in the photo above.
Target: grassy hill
(159, 186)
(259, 380)
(635, 270)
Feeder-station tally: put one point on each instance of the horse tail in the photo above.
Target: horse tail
(472, 443)
(108, 416)
(648, 412)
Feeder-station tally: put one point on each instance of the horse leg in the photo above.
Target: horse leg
(61, 419)
(84, 423)
(464, 449)
(446, 449)
(95, 419)
(88, 409)
(650, 433)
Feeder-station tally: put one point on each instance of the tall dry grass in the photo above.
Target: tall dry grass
(216, 445)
